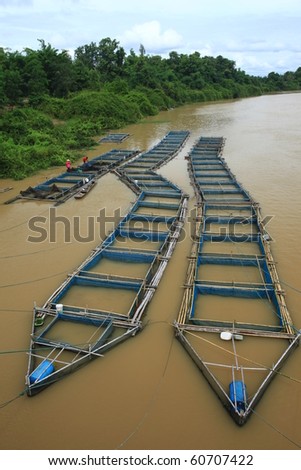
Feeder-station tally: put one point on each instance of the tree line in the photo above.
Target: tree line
(52, 104)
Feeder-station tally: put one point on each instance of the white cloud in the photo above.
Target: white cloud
(152, 37)
(261, 36)
(251, 45)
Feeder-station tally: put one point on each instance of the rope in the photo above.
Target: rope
(290, 286)
(30, 253)
(14, 351)
(12, 310)
(152, 400)
(276, 429)
(32, 280)
(8, 402)
(245, 358)
(42, 348)
(21, 223)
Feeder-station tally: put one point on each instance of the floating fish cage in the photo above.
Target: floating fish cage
(114, 138)
(70, 183)
(232, 291)
(103, 301)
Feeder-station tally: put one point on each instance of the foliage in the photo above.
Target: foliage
(51, 105)
(146, 108)
(110, 110)
(20, 161)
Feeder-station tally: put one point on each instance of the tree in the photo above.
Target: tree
(34, 76)
(58, 68)
(12, 85)
(87, 55)
(111, 59)
(142, 51)
(106, 57)
(3, 98)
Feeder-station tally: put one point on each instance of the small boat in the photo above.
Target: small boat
(4, 190)
(62, 187)
(85, 189)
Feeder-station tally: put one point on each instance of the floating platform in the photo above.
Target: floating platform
(114, 138)
(102, 303)
(233, 312)
(76, 181)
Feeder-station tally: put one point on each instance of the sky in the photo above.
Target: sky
(261, 36)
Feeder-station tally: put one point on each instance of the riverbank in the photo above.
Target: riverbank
(38, 138)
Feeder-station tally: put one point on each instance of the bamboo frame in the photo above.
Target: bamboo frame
(184, 324)
(124, 326)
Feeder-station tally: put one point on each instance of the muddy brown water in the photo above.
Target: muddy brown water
(147, 393)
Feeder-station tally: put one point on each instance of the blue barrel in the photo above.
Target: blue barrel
(237, 389)
(43, 370)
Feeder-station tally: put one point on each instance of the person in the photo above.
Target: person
(85, 159)
(68, 165)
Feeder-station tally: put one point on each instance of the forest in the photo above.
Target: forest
(52, 104)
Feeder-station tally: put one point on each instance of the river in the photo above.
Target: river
(147, 393)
